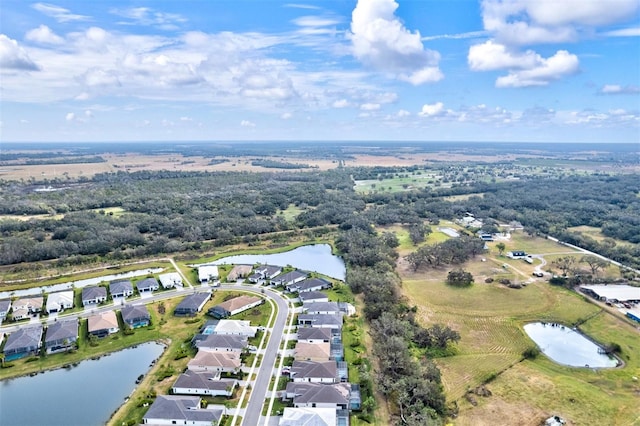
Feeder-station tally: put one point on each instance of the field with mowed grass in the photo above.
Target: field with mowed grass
(490, 319)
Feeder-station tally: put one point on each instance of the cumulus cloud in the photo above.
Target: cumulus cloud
(403, 113)
(70, 116)
(624, 32)
(543, 72)
(14, 57)
(58, 13)
(341, 103)
(616, 89)
(247, 123)
(286, 115)
(379, 39)
(43, 35)
(429, 110)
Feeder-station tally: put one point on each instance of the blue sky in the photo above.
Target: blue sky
(440, 70)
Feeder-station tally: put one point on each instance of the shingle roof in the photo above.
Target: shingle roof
(238, 302)
(320, 307)
(122, 286)
(193, 301)
(176, 407)
(223, 341)
(321, 319)
(305, 350)
(33, 301)
(89, 293)
(102, 321)
(60, 330)
(132, 312)
(290, 276)
(306, 416)
(310, 393)
(203, 380)
(25, 337)
(55, 300)
(314, 333)
(206, 358)
(147, 284)
(5, 305)
(311, 283)
(312, 295)
(322, 369)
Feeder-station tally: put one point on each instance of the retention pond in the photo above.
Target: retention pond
(568, 347)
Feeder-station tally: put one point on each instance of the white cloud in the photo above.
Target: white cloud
(286, 115)
(100, 77)
(494, 56)
(145, 16)
(403, 113)
(83, 96)
(186, 119)
(70, 116)
(43, 35)
(461, 36)
(616, 89)
(58, 13)
(546, 70)
(429, 110)
(370, 107)
(624, 32)
(88, 113)
(379, 39)
(247, 123)
(14, 57)
(341, 103)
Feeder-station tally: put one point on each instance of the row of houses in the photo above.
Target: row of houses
(58, 302)
(319, 389)
(62, 335)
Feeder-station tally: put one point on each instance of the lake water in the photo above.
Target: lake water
(36, 291)
(566, 346)
(83, 395)
(315, 258)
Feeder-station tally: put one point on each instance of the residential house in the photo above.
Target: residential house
(61, 336)
(267, 272)
(93, 295)
(192, 304)
(313, 296)
(208, 273)
(170, 280)
(486, 237)
(320, 320)
(136, 316)
(292, 416)
(5, 306)
(103, 324)
(314, 335)
(213, 361)
(314, 371)
(23, 342)
(26, 306)
(59, 301)
(235, 306)
(309, 284)
(239, 272)
(222, 343)
(516, 254)
(335, 396)
(180, 409)
(321, 308)
(305, 351)
(235, 327)
(121, 289)
(203, 383)
(289, 278)
(147, 285)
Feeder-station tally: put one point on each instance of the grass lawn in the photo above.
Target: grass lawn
(489, 318)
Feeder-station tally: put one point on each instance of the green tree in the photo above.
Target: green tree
(501, 248)
(594, 262)
(459, 278)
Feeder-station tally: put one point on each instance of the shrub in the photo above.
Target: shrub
(531, 352)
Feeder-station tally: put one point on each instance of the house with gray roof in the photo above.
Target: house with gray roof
(222, 343)
(321, 308)
(289, 278)
(93, 295)
(61, 336)
(147, 285)
(315, 335)
(23, 342)
(335, 395)
(180, 409)
(313, 296)
(136, 316)
(314, 371)
(203, 383)
(320, 320)
(5, 306)
(192, 304)
(121, 289)
(268, 272)
(309, 284)
(59, 301)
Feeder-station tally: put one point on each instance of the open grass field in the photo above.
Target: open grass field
(489, 318)
(596, 234)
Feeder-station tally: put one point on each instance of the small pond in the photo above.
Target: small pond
(568, 347)
(314, 258)
(86, 394)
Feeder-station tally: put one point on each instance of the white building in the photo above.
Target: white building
(59, 301)
(208, 273)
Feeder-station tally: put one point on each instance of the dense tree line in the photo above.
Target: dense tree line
(413, 386)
